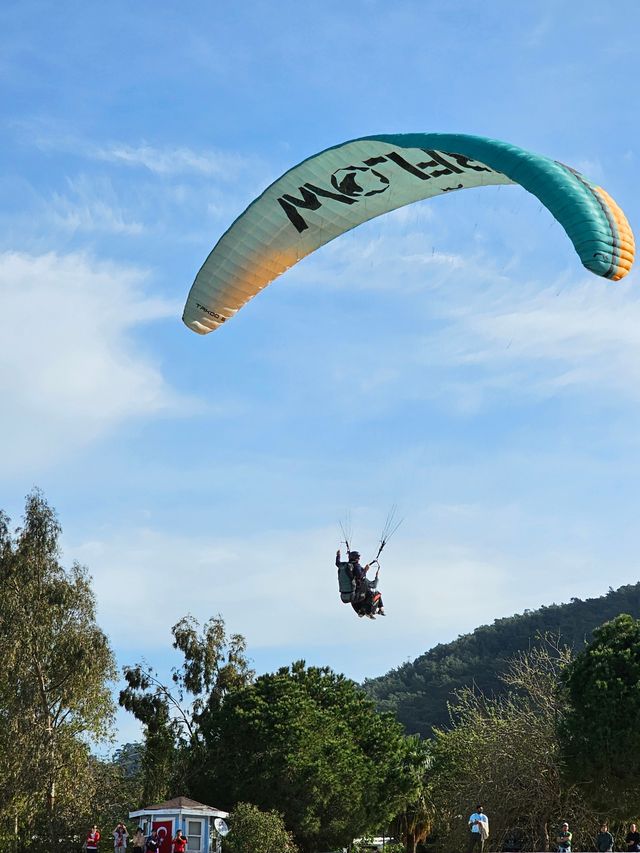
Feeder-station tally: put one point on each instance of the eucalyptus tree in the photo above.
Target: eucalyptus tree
(55, 668)
(172, 710)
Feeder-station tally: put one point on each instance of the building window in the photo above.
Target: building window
(195, 834)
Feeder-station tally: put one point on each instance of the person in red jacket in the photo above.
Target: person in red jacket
(179, 842)
(93, 839)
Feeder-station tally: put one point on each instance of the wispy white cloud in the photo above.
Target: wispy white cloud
(260, 592)
(130, 189)
(91, 205)
(378, 258)
(465, 327)
(170, 160)
(70, 368)
(583, 335)
(166, 160)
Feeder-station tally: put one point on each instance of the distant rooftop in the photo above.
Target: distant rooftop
(180, 804)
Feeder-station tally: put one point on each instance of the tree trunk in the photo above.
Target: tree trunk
(545, 837)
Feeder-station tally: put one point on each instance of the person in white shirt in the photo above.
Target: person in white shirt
(479, 826)
(120, 836)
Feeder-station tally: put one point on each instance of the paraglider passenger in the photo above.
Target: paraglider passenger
(374, 598)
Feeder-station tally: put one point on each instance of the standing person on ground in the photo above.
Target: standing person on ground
(93, 839)
(138, 840)
(479, 826)
(120, 836)
(153, 842)
(604, 840)
(563, 839)
(633, 839)
(180, 842)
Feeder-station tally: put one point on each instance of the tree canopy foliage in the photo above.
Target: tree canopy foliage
(172, 716)
(310, 744)
(303, 742)
(55, 665)
(256, 831)
(601, 725)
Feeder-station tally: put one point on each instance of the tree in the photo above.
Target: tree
(309, 744)
(505, 752)
(415, 822)
(55, 665)
(255, 831)
(213, 664)
(152, 703)
(129, 758)
(103, 795)
(601, 727)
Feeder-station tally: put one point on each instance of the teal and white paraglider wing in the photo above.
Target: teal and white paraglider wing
(344, 186)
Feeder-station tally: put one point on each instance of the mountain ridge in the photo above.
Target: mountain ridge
(417, 692)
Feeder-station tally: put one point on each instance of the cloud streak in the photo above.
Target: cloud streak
(582, 336)
(91, 206)
(165, 160)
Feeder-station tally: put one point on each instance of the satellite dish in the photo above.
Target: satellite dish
(221, 827)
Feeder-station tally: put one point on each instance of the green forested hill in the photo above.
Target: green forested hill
(418, 692)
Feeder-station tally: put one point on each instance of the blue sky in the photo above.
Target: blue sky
(452, 358)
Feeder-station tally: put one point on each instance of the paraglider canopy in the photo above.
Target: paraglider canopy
(346, 185)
